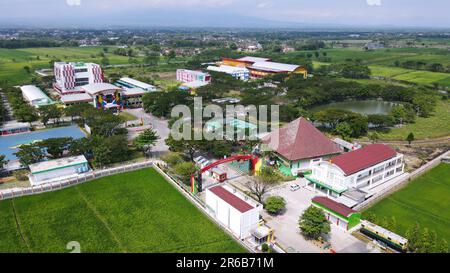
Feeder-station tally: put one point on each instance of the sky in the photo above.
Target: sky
(397, 13)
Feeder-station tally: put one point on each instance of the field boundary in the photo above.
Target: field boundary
(402, 183)
(72, 181)
(196, 202)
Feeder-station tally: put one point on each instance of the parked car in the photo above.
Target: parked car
(295, 187)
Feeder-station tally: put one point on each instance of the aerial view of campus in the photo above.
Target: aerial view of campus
(234, 127)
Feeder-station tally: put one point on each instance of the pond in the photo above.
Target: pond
(9, 144)
(365, 107)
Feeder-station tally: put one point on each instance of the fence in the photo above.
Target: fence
(68, 182)
(408, 178)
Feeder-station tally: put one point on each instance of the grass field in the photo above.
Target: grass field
(433, 127)
(131, 212)
(425, 200)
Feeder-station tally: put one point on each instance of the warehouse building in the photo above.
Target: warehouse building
(240, 73)
(70, 77)
(297, 145)
(262, 67)
(337, 213)
(350, 175)
(129, 83)
(46, 171)
(35, 96)
(234, 210)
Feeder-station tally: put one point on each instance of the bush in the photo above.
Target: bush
(172, 158)
(275, 204)
(265, 248)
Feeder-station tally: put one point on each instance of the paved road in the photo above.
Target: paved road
(159, 125)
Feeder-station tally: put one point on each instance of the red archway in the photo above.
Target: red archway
(253, 161)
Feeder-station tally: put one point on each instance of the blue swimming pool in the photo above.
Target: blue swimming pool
(8, 143)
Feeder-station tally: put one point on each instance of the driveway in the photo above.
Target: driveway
(159, 125)
(288, 233)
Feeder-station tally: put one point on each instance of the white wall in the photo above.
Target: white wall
(41, 178)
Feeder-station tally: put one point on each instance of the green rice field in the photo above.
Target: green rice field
(131, 212)
(425, 200)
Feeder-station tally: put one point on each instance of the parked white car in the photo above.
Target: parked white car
(295, 187)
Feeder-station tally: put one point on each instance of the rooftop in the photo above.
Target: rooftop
(57, 164)
(231, 199)
(363, 158)
(300, 140)
(276, 67)
(95, 88)
(75, 97)
(137, 83)
(253, 59)
(333, 205)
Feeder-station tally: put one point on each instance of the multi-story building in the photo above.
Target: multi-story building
(360, 171)
(186, 76)
(70, 77)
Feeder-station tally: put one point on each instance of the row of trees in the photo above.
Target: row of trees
(422, 65)
(420, 240)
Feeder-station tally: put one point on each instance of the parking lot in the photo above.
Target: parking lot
(286, 225)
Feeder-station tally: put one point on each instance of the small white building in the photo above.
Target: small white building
(129, 83)
(233, 209)
(48, 171)
(186, 76)
(240, 73)
(34, 96)
(363, 170)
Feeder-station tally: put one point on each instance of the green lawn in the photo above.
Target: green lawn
(131, 212)
(432, 127)
(425, 200)
(127, 116)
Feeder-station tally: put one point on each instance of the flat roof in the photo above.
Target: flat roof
(134, 91)
(228, 69)
(14, 125)
(95, 88)
(137, 83)
(231, 199)
(272, 66)
(75, 97)
(253, 59)
(60, 163)
(195, 84)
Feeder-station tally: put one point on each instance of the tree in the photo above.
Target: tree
(105, 61)
(171, 55)
(27, 69)
(185, 170)
(188, 147)
(275, 204)
(76, 110)
(146, 140)
(47, 112)
(25, 113)
(374, 137)
(29, 154)
(3, 163)
(413, 236)
(442, 246)
(344, 130)
(424, 104)
(55, 147)
(398, 113)
(313, 223)
(410, 138)
(172, 158)
(262, 183)
(152, 58)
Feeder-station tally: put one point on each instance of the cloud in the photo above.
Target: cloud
(73, 2)
(374, 2)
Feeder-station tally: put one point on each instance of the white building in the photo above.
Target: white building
(129, 83)
(240, 73)
(358, 171)
(236, 211)
(186, 76)
(34, 96)
(70, 77)
(48, 171)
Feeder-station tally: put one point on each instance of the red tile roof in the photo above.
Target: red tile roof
(363, 158)
(231, 199)
(301, 140)
(334, 206)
